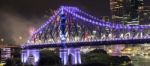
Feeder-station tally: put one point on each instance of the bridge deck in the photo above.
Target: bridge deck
(93, 43)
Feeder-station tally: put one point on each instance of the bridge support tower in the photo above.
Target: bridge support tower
(69, 56)
(30, 56)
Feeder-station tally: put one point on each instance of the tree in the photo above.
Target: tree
(119, 61)
(48, 57)
(97, 56)
(10, 62)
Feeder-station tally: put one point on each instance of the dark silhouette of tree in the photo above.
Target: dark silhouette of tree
(48, 58)
(97, 57)
(118, 61)
(9, 62)
(99, 51)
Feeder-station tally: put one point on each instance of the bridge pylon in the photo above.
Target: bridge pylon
(30, 56)
(69, 56)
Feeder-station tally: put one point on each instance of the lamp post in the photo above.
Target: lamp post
(20, 39)
(2, 40)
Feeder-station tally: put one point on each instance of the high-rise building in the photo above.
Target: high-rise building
(145, 16)
(116, 7)
(126, 11)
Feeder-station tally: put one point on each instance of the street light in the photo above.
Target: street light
(2, 40)
(20, 38)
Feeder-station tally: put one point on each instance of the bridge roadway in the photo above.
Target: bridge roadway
(5, 46)
(91, 43)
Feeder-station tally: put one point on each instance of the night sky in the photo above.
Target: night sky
(17, 16)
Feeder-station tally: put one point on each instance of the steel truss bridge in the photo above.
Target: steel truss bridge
(70, 28)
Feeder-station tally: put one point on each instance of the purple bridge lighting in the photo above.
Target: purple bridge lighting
(71, 28)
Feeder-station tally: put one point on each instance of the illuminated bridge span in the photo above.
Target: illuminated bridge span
(70, 28)
(90, 43)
